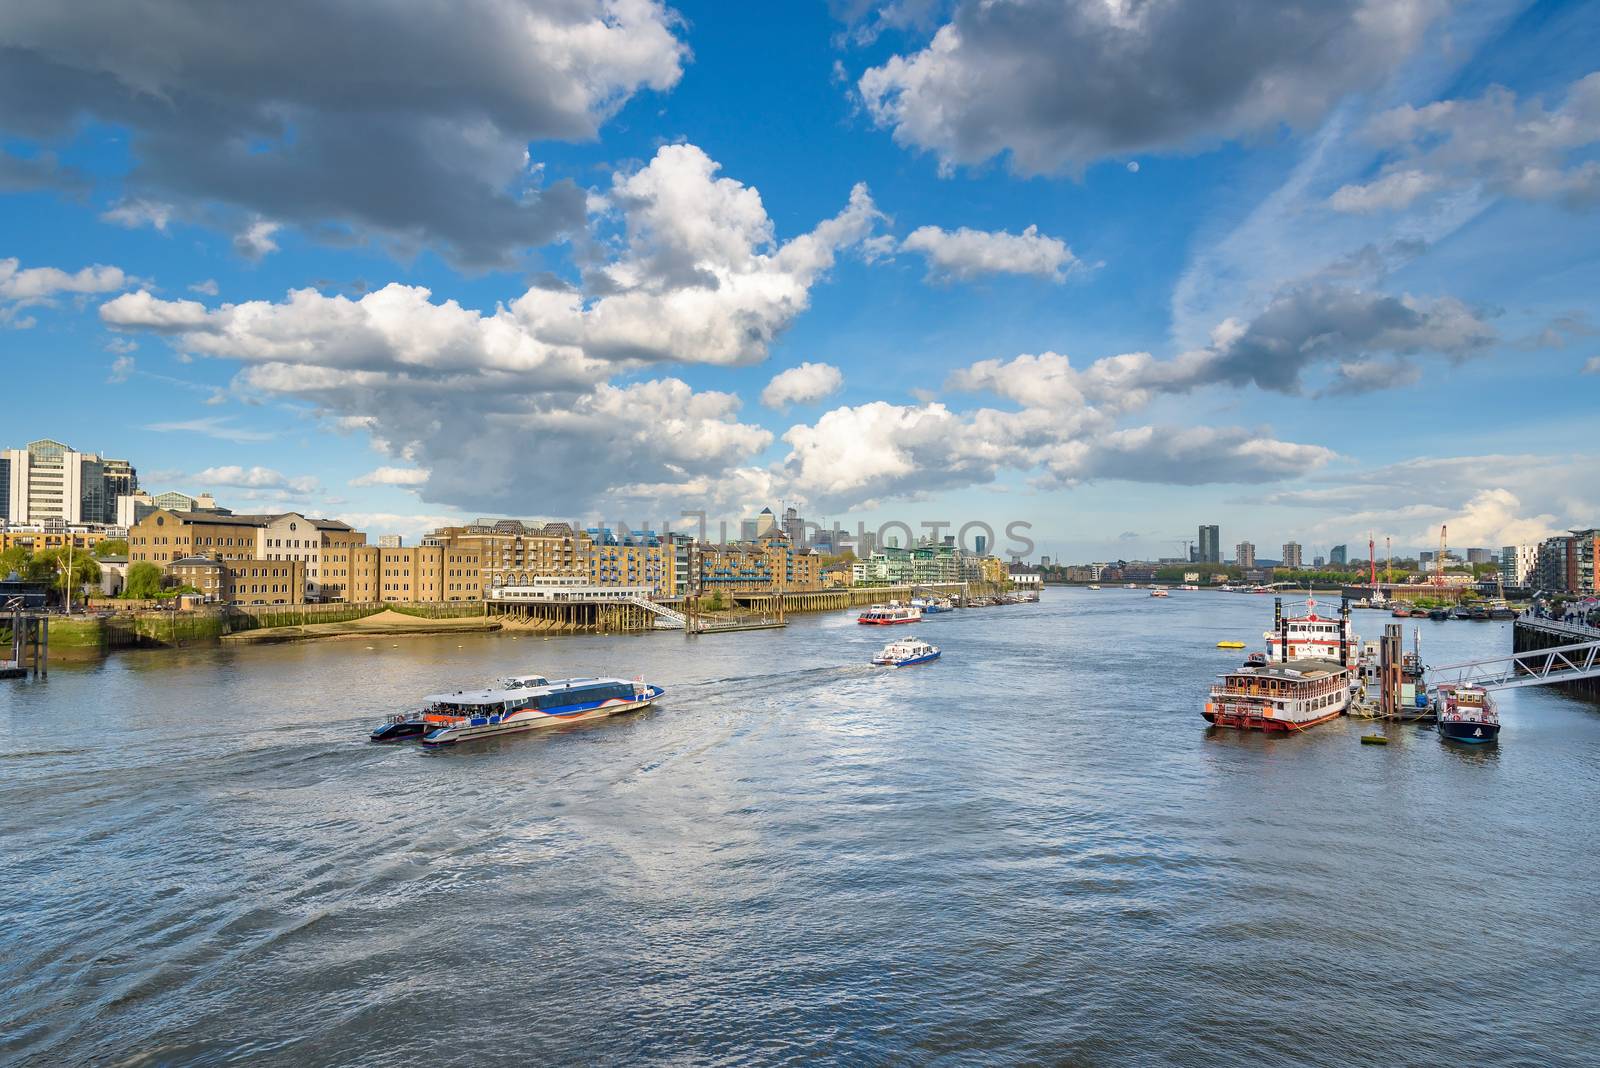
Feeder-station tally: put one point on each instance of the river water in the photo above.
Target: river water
(1033, 850)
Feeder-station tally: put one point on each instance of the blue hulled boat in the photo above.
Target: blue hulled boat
(522, 703)
(1467, 714)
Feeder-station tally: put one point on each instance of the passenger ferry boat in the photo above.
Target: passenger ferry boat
(905, 652)
(1311, 635)
(1284, 697)
(883, 615)
(1467, 714)
(520, 703)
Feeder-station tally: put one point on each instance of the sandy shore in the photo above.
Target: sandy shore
(385, 624)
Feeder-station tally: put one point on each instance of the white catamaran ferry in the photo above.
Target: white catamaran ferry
(883, 615)
(520, 703)
(905, 652)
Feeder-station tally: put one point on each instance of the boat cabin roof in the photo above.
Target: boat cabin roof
(1294, 670)
(501, 696)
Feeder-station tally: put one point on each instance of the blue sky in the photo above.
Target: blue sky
(1304, 270)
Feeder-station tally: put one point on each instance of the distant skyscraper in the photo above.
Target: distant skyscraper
(1339, 555)
(981, 544)
(1244, 554)
(1291, 554)
(1210, 551)
(1477, 556)
(794, 526)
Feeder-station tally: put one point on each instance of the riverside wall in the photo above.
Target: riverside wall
(87, 636)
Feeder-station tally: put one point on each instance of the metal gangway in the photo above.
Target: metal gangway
(1536, 667)
(666, 618)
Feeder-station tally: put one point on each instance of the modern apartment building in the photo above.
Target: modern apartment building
(1566, 563)
(1339, 555)
(48, 481)
(639, 559)
(38, 537)
(1210, 545)
(1292, 557)
(770, 562)
(1517, 563)
(1244, 554)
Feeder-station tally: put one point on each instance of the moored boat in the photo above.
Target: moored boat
(904, 652)
(882, 615)
(1310, 635)
(519, 704)
(1281, 697)
(1467, 714)
(1092, 586)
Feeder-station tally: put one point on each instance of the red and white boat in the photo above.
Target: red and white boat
(883, 615)
(1311, 636)
(1280, 697)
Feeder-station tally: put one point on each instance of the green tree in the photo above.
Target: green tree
(28, 567)
(144, 581)
(84, 568)
(110, 547)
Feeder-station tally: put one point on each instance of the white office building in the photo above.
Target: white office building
(49, 481)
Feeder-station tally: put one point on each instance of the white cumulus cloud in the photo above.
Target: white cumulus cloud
(806, 384)
(966, 253)
(392, 476)
(256, 478)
